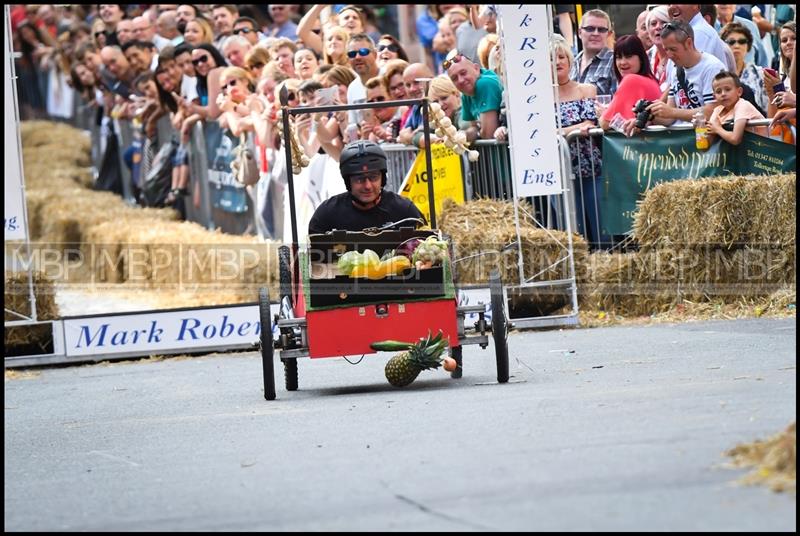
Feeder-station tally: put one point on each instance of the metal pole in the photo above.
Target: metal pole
(428, 161)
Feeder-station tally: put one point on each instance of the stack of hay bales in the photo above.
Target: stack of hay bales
(484, 238)
(116, 243)
(28, 339)
(706, 239)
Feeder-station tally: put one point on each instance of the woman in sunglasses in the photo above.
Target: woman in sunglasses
(99, 37)
(389, 49)
(740, 41)
(205, 58)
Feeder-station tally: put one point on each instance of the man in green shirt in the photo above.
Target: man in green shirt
(481, 92)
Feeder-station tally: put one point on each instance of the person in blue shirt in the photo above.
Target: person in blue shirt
(481, 92)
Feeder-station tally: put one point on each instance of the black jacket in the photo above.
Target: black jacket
(338, 212)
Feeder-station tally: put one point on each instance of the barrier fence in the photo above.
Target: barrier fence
(593, 198)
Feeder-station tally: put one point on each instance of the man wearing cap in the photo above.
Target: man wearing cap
(366, 203)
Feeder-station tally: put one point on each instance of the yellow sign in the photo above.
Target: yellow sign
(448, 181)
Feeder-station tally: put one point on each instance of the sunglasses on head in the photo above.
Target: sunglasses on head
(448, 62)
(594, 29)
(742, 41)
(391, 47)
(242, 30)
(360, 52)
(380, 98)
(198, 61)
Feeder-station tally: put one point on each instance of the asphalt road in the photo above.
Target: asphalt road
(606, 429)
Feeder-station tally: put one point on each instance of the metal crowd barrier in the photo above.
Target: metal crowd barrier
(198, 178)
(399, 159)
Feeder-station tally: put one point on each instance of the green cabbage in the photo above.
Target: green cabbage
(349, 261)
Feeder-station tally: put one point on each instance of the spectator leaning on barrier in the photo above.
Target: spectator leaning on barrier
(732, 108)
(481, 92)
(577, 112)
(636, 80)
(414, 78)
(705, 37)
(689, 83)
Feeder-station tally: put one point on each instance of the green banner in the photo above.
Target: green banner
(631, 166)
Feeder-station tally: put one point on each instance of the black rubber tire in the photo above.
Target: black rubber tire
(499, 326)
(290, 373)
(285, 271)
(267, 350)
(456, 353)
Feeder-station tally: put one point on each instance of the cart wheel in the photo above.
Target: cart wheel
(290, 373)
(285, 271)
(266, 344)
(455, 353)
(499, 326)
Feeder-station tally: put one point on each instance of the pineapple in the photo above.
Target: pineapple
(403, 368)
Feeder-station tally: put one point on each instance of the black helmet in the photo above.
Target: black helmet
(360, 157)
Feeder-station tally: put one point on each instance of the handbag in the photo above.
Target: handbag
(244, 166)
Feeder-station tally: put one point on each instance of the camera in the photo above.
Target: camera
(643, 115)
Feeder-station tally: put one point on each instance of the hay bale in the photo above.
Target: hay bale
(655, 280)
(484, 237)
(721, 212)
(28, 339)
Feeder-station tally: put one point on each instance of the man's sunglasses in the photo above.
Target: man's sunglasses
(391, 47)
(594, 29)
(360, 52)
(242, 30)
(377, 99)
(198, 61)
(448, 62)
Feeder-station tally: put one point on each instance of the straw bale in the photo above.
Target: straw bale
(652, 281)
(48, 133)
(722, 212)
(16, 298)
(484, 237)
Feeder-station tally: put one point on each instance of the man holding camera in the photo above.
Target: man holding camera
(689, 81)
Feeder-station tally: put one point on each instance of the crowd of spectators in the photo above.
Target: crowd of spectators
(177, 66)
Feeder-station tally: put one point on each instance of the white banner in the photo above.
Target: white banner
(164, 332)
(14, 216)
(529, 99)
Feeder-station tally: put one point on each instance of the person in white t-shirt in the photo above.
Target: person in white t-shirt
(689, 82)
